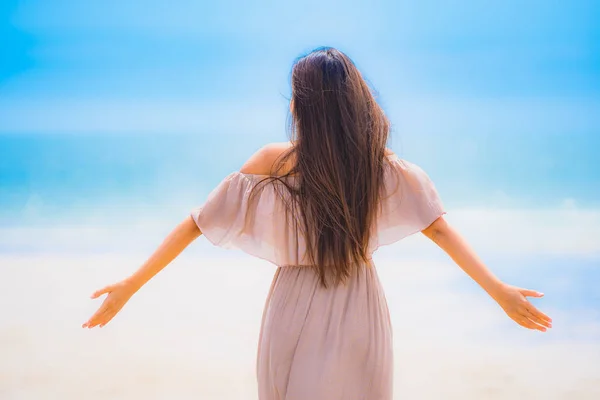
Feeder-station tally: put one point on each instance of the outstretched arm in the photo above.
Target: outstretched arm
(119, 293)
(512, 299)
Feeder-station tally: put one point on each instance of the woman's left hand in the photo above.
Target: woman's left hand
(513, 301)
(118, 294)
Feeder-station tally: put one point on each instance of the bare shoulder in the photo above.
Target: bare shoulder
(263, 160)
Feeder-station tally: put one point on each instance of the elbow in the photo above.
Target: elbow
(436, 229)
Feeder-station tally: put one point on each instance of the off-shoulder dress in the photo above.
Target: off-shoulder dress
(317, 343)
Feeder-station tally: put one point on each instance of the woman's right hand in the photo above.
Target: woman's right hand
(513, 301)
(118, 294)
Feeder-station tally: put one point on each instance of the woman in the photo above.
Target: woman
(318, 207)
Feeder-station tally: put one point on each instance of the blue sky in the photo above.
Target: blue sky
(115, 102)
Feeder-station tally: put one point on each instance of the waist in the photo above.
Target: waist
(369, 262)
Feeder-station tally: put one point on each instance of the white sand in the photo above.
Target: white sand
(192, 332)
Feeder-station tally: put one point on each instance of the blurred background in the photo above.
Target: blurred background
(118, 117)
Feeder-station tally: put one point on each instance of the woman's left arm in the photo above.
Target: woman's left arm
(119, 293)
(512, 299)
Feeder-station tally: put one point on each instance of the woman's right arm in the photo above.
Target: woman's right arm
(120, 293)
(511, 298)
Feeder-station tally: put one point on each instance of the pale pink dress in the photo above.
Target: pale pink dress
(316, 343)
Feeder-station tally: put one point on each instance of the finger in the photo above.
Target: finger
(538, 313)
(92, 321)
(98, 293)
(103, 308)
(531, 293)
(528, 314)
(526, 323)
(520, 320)
(108, 319)
(99, 319)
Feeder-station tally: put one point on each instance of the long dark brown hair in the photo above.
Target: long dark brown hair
(339, 135)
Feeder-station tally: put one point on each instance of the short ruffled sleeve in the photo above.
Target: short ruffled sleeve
(409, 202)
(233, 218)
(243, 213)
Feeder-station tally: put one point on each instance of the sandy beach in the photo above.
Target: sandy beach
(192, 333)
